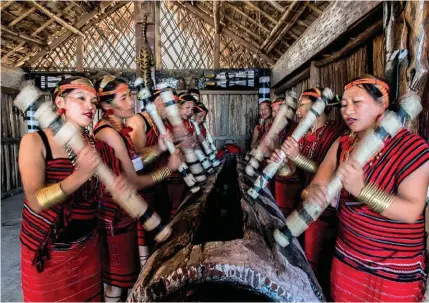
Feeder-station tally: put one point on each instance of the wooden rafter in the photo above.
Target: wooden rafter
(276, 5)
(24, 15)
(370, 32)
(282, 21)
(6, 4)
(56, 18)
(216, 47)
(79, 24)
(14, 50)
(259, 10)
(20, 36)
(50, 21)
(291, 22)
(315, 9)
(248, 18)
(225, 31)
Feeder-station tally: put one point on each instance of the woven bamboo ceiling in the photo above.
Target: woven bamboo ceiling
(262, 30)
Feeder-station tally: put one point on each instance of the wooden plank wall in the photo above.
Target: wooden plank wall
(231, 116)
(12, 128)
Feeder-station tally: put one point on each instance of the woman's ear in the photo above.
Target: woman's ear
(60, 102)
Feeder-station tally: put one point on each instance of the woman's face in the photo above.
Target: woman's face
(359, 109)
(79, 106)
(123, 104)
(200, 117)
(187, 110)
(304, 106)
(265, 111)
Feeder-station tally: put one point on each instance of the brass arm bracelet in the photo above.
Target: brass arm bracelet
(50, 195)
(149, 154)
(161, 174)
(375, 198)
(305, 163)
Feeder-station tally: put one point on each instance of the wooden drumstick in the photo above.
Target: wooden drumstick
(172, 111)
(68, 134)
(369, 146)
(209, 138)
(201, 155)
(145, 97)
(302, 128)
(279, 123)
(206, 146)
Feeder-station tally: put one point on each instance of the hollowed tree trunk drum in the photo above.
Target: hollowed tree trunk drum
(222, 249)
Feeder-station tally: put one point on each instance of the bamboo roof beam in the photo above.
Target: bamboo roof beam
(302, 23)
(315, 9)
(289, 25)
(57, 19)
(7, 4)
(258, 9)
(216, 46)
(9, 53)
(80, 23)
(225, 31)
(23, 36)
(28, 12)
(276, 5)
(282, 21)
(248, 18)
(50, 21)
(242, 27)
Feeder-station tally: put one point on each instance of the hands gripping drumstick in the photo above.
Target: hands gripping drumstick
(145, 96)
(302, 128)
(372, 143)
(279, 123)
(67, 134)
(173, 115)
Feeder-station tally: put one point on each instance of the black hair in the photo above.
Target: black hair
(65, 81)
(193, 91)
(110, 86)
(331, 102)
(186, 98)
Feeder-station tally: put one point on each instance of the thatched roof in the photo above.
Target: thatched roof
(253, 31)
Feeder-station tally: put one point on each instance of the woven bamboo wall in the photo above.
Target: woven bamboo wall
(231, 116)
(12, 128)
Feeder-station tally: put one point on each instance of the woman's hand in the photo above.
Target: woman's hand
(318, 194)
(351, 174)
(168, 137)
(290, 147)
(175, 160)
(275, 156)
(87, 161)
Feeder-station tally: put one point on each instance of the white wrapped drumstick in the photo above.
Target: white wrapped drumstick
(173, 115)
(68, 134)
(144, 94)
(279, 123)
(204, 160)
(210, 138)
(206, 146)
(302, 128)
(368, 147)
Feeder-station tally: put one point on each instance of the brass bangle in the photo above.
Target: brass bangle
(161, 174)
(149, 154)
(50, 195)
(305, 163)
(375, 198)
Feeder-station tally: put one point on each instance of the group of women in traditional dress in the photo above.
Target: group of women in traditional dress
(358, 252)
(77, 244)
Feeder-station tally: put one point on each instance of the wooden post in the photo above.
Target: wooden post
(314, 75)
(158, 59)
(216, 47)
(138, 26)
(79, 54)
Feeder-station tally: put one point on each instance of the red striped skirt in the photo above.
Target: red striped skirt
(350, 284)
(121, 265)
(70, 275)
